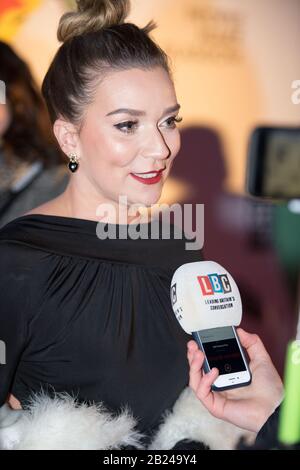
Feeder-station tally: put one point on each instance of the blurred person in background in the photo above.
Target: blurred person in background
(31, 164)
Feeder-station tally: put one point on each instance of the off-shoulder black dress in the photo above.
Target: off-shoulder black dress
(91, 317)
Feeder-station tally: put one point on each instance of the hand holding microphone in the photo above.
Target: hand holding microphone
(207, 304)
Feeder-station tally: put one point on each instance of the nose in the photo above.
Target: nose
(156, 147)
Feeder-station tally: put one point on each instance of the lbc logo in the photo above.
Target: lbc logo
(214, 284)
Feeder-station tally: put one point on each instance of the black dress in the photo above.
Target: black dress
(91, 317)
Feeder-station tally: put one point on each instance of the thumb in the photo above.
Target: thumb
(253, 345)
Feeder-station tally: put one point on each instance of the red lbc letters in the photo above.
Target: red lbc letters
(214, 284)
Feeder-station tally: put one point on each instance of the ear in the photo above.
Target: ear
(67, 136)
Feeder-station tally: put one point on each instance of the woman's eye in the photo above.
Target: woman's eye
(127, 127)
(172, 120)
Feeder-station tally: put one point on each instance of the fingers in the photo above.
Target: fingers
(195, 374)
(253, 344)
(192, 347)
(203, 391)
(14, 402)
(201, 383)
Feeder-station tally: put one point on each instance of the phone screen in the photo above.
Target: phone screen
(222, 350)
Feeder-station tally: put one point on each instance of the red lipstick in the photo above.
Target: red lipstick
(153, 180)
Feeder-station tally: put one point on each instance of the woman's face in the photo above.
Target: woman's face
(116, 146)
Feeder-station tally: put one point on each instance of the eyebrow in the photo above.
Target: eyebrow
(136, 112)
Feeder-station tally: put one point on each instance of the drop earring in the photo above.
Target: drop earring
(73, 163)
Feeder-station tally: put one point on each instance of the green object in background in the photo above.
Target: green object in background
(289, 418)
(286, 237)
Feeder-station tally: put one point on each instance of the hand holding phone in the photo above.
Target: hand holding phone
(246, 407)
(222, 349)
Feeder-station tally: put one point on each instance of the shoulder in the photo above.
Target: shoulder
(18, 265)
(53, 207)
(15, 258)
(15, 280)
(16, 251)
(20, 228)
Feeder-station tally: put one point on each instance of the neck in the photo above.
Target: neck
(75, 203)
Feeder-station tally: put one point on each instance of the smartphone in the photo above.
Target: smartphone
(223, 350)
(273, 166)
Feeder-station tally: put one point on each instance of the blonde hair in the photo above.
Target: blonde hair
(91, 16)
(96, 40)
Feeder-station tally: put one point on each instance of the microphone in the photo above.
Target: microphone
(204, 295)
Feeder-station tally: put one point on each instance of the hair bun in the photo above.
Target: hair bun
(91, 16)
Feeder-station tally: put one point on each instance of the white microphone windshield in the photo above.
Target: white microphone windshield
(204, 295)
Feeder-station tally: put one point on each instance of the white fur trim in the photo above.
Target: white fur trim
(58, 423)
(189, 419)
(10, 427)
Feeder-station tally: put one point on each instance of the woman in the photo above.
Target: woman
(83, 315)
(30, 173)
